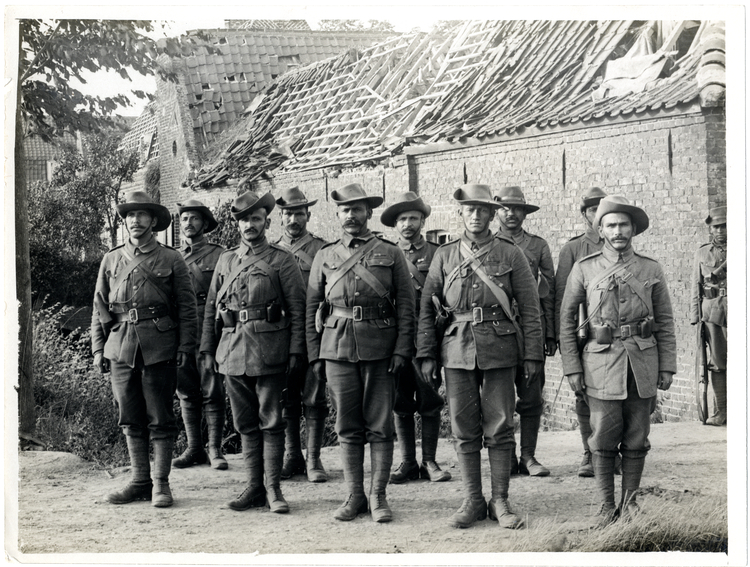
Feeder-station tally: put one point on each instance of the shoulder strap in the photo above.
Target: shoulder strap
(349, 262)
(470, 257)
(132, 264)
(192, 263)
(296, 249)
(416, 275)
(640, 290)
(609, 272)
(274, 276)
(238, 269)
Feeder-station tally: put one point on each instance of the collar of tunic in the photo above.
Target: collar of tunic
(476, 244)
(194, 247)
(286, 239)
(149, 246)
(256, 247)
(405, 245)
(614, 256)
(348, 239)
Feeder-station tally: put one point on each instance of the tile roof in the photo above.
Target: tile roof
(143, 134)
(480, 79)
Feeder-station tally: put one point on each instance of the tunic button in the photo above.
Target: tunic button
(356, 245)
(473, 304)
(357, 278)
(622, 319)
(244, 303)
(356, 294)
(475, 286)
(622, 300)
(135, 304)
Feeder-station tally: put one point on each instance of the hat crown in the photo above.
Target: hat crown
(717, 215)
(292, 196)
(136, 197)
(473, 191)
(511, 194)
(190, 203)
(351, 192)
(407, 197)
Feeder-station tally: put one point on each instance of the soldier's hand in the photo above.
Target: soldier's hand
(576, 382)
(550, 347)
(101, 363)
(209, 363)
(665, 380)
(397, 364)
(429, 370)
(532, 370)
(319, 369)
(182, 359)
(294, 365)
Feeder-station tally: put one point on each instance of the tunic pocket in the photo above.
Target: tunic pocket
(165, 323)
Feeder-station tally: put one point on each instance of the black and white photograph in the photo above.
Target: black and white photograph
(359, 284)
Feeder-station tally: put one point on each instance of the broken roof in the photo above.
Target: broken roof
(481, 79)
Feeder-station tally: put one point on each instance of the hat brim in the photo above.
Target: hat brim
(265, 202)
(390, 214)
(525, 206)
(284, 205)
(374, 202)
(594, 201)
(211, 222)
(637, 215)
(163, 218)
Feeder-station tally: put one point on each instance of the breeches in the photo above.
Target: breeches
(717, 344)
(304, 389)
(413, 395)
(363, 394)
(530, 400)
(198, 387)
(144, 397)
(481, 404)
(256, 402)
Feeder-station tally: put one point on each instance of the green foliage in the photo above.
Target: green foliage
(226, 234)
(74, 405)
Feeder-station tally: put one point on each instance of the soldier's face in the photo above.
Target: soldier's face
(511, 217)
(253, 226)
(476, 218)
(354, 217)
(409, 224)
(294, 221)
(719, 233)
(191, 224)
(617, 230)
(139, 223)
(589, 213)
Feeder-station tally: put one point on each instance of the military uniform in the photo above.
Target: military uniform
(631, 340)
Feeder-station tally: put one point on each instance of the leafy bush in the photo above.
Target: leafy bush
(74, 405)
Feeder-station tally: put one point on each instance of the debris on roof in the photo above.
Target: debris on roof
(481, 79)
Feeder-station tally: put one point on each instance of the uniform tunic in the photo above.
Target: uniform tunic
(142, 352)
(709, 299)
(198, 386)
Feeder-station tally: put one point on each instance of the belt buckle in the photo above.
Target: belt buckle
(357, 313)
(244, 316)
(722, 292)
(626, 331)
(133, 315)
(474, 312)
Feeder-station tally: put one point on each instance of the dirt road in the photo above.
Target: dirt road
(62, 507)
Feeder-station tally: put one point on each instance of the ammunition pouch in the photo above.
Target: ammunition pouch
(712, 292)
(121, 314)
(361, 312)
(442, 318)
(605, 334)
(273, 312)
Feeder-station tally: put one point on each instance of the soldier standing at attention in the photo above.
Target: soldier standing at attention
(253, 333)
(413, 394)
(709, 305)
(199, 388)
(360, 336)
(631, 349)
(144, 327)
(469, 292)
(573, 250)
(303, 388)
(530, 405)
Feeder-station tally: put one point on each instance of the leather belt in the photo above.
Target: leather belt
(361, 313)
(714, 292)
(625, 331)
(201, 296)
(119, 314)
(253, 313)
(479, 315)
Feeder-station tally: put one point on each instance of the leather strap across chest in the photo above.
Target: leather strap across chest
(248, 261)
(352, 263)
(296, 249)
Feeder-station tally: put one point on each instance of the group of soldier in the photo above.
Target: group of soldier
(379, 325)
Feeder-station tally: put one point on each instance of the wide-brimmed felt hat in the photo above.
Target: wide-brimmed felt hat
(249, 202)
(142, 201)
(512, 196)
(196, 205)
(408, 201)
(619, 204)
(293, 198)
(717, 215)
(474, 194)
(352, 193)
(591, 198)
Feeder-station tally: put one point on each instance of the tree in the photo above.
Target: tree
(357, 25)
(51, 53)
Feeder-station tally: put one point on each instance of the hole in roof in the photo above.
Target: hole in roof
(174, 148)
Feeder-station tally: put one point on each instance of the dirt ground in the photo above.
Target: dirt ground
(62, 508)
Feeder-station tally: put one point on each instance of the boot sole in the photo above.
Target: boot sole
(444, 476)
(165, 504)
(411, 476)
(361, 510)
(464, 525)
(121, 502)
(257, 502)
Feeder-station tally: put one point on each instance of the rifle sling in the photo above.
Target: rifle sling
(416, 275)
(350, 263)
(192, 263)
(296, 249)
(148, 274)
(248, 261)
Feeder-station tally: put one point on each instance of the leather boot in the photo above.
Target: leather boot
(194, 454)
(430, 433)
(161, 497)
(140, 485)
(381, 459)
(529, 434)
(585, 469)
(352, 461)
(604, 469)
(408, 469)
(498, 508)
(273, 455)
(719, 385)
(315, 429)
(474, 507)
(632, 471)
(215, 422)
(294, 461)
(254, 495)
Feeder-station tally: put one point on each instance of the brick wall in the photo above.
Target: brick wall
(672, 165)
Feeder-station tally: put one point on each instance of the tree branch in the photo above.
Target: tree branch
(39, 53)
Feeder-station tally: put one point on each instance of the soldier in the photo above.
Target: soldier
(469, 291)
(199, 387)
(360, 336)
(576, 248)
(302, 388)
(530, 404)
(144, 327)
(253, 333)
(630, 351)
(408, 216)
(709, 305)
